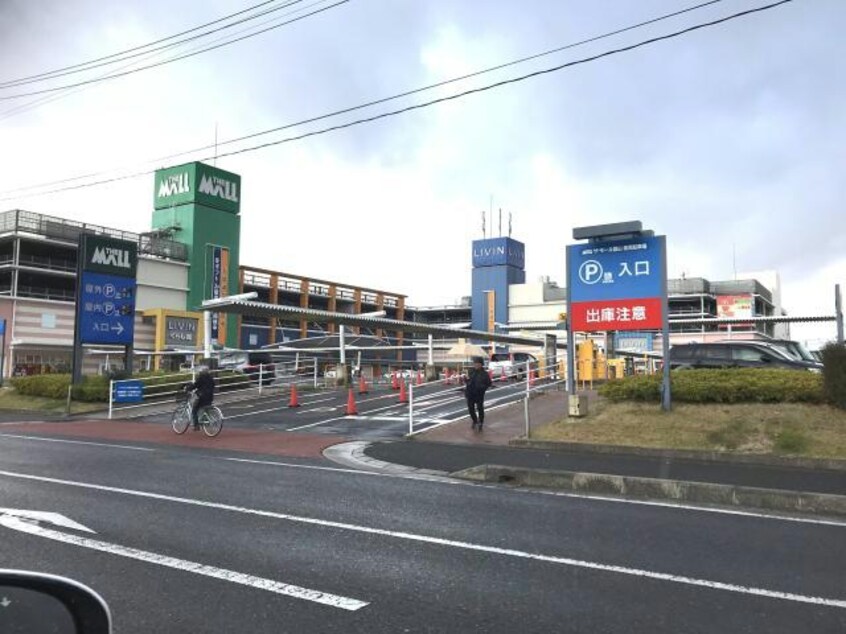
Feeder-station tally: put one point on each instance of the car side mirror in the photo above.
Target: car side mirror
(31, 603)
(766, 359)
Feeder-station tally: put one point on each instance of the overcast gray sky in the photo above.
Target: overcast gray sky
(727, 139)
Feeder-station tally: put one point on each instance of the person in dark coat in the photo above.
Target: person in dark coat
(478, 382)
(204, 396)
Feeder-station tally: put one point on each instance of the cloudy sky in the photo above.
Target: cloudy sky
(730, 140)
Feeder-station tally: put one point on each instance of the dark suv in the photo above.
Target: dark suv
(258, 363)
(734, 354)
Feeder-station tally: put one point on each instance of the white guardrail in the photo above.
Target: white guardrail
(155, 393)
(528, 373)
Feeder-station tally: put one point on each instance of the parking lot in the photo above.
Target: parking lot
(380, 414)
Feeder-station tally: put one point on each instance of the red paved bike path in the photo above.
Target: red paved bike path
(275, 443)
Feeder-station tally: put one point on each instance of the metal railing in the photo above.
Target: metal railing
(157, 393)
(535, 377)
(42, 292)
(20, 221)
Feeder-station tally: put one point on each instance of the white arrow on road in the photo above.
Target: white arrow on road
(28, 522)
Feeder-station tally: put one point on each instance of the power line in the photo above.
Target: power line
(169, 61)
(504, 82)
(499, 84)
(58, 71)
(399, 95)
(446, 82)
(146, 55)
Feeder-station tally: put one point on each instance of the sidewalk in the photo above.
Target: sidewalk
(456, 447)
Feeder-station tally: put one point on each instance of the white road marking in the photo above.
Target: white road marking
(78, 442)
(451, 543)
(261, 583)
(56, 519)
(274, 409)
(320, 422)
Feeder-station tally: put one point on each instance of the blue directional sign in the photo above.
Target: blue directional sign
(106, 309)
(616, 285)
(615, 270)
(128, 392)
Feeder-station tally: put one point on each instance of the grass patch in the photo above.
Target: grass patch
(799, 429)
(11, 400)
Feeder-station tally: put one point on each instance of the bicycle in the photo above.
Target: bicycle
(210, 417)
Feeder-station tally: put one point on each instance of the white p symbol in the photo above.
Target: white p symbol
(590, 272)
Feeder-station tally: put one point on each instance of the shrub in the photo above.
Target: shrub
(93, 388)
(48, 385)
(738, 385)
(834, 374)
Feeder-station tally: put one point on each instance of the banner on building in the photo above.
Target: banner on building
(219, 288)
(735, 306)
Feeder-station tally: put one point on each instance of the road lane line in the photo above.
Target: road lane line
(78, 442)
(451, 543)
(320, 422)
(260, 583)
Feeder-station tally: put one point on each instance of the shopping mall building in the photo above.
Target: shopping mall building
(192, 253)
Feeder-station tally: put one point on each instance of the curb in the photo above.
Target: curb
(658, 489)
(682, 454)
(351, 454)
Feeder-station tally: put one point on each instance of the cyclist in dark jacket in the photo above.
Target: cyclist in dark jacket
(203, 386)
(478, 381)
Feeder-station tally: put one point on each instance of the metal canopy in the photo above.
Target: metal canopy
(263, 309)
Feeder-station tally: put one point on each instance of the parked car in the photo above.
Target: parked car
(512, 364)
(251, 364)
(734, 354)
(791, 349)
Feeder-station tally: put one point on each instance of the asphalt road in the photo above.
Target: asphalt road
(289, 547)
(451, 458)
(380, 414)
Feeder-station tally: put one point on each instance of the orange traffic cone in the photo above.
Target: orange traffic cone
(403, 397)
(419, 377)
(394, 381)
(362, 385)
(352, 410)
(502, 376)
(448, 376)
(294, 401)
(531, 377)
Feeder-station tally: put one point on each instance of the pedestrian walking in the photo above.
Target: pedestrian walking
(478, 382)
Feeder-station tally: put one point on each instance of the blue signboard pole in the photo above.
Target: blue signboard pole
(666, 398)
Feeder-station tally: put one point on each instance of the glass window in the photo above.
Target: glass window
(681, 352)
(714, 352)
(746, 354)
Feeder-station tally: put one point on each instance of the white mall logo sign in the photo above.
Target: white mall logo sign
(108, 256)
(175, 184)
(219, 187)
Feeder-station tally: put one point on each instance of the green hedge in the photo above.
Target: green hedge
(96, 388)
(834, 374)
(92, 389)
(722, 386)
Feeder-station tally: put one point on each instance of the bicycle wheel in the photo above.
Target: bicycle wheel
(181, 419)
(212, 421)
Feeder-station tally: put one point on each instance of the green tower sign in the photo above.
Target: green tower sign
(198, 183)
(199, 204)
